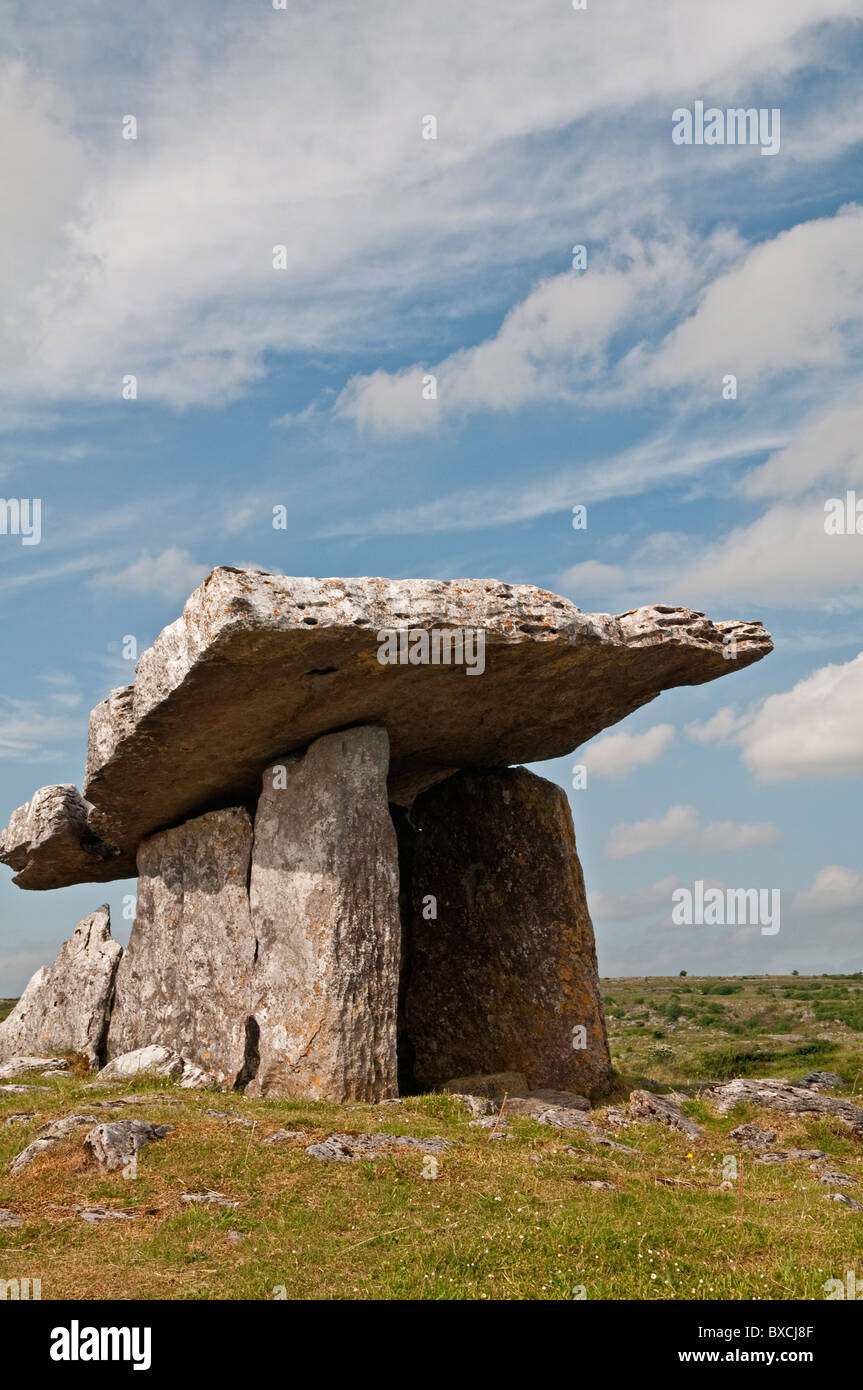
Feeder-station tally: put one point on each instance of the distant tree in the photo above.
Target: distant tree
(795, 972)
(683, 972)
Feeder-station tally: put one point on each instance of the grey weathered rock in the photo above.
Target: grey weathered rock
(33, 1150)
(151, 1060)
(58, 1129)
(843, 1200)
(348, 1147)
(104, 1214)
(207, 1199)
(752, 1136)
(65, 1006)
(643, 1105)
(788, 1155)
(474, 1105)
(49, 842)
(324, 901)
(112, 1145)
(837, 1179)
(21, 1117)
(779, 1095)
(231, 1118)
(9, 1221)
(184, 980)
(23, 1066)
(824, 1080)
(503, 977)
(260, 665)
(281, 1136)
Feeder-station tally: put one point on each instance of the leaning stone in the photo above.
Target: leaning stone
(266, 664)
(65, 1006)
(643, 1105)
(113, 1145)
(154, 1060)
(504, 977)
(324, 895)
(184, 979)
(50, 842)
(9, 1221)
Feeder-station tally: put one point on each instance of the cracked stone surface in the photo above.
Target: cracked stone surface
(184, 979)
(65, 1006)
(324, 895)
(260, 665)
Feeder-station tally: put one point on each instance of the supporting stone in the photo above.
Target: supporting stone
(503, 973)
(324, 900)
(185, 979)
(65, 1006)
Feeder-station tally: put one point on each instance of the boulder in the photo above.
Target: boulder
(644, 1105)
(113, 1145)
(23, 1066)
(144, 1061)
(184, 980)
(324, 903)
(260, 665)
(780, 1095)
(503, 974)
(65, 1006)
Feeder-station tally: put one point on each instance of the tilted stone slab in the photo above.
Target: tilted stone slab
(505, 973)
(184, 981)
(259, 665)
(324, 899)
(65, 1005)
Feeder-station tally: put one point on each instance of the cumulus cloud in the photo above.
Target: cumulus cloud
(615, 756)
(681, 827)
(619, 907)
(834, 889)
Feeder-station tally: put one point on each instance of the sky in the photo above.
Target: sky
(236, 242)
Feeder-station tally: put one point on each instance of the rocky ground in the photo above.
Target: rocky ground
(752, 1188)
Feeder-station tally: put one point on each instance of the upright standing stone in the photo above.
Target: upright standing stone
(65, 1006)
(503, 962)
(185, 979)
(324, 899)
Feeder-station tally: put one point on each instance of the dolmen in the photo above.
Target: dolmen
(349, 887)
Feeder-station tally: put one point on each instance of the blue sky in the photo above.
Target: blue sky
(405, 257)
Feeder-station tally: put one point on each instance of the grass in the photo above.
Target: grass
(511, 1219)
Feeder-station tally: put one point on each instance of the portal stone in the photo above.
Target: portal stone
(185, 978)
(324, 901)
(65, 1006)
(504, 978)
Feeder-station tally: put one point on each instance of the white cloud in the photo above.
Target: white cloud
(813, 730)
(173, 574)
(830, 446)
(835, 889)
(33, 731)
(154, 256)
(677, 825)
(615, 756)
(619, 907)
(681, 827)
(723, 836)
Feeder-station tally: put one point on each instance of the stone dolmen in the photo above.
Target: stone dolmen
(347, 886)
